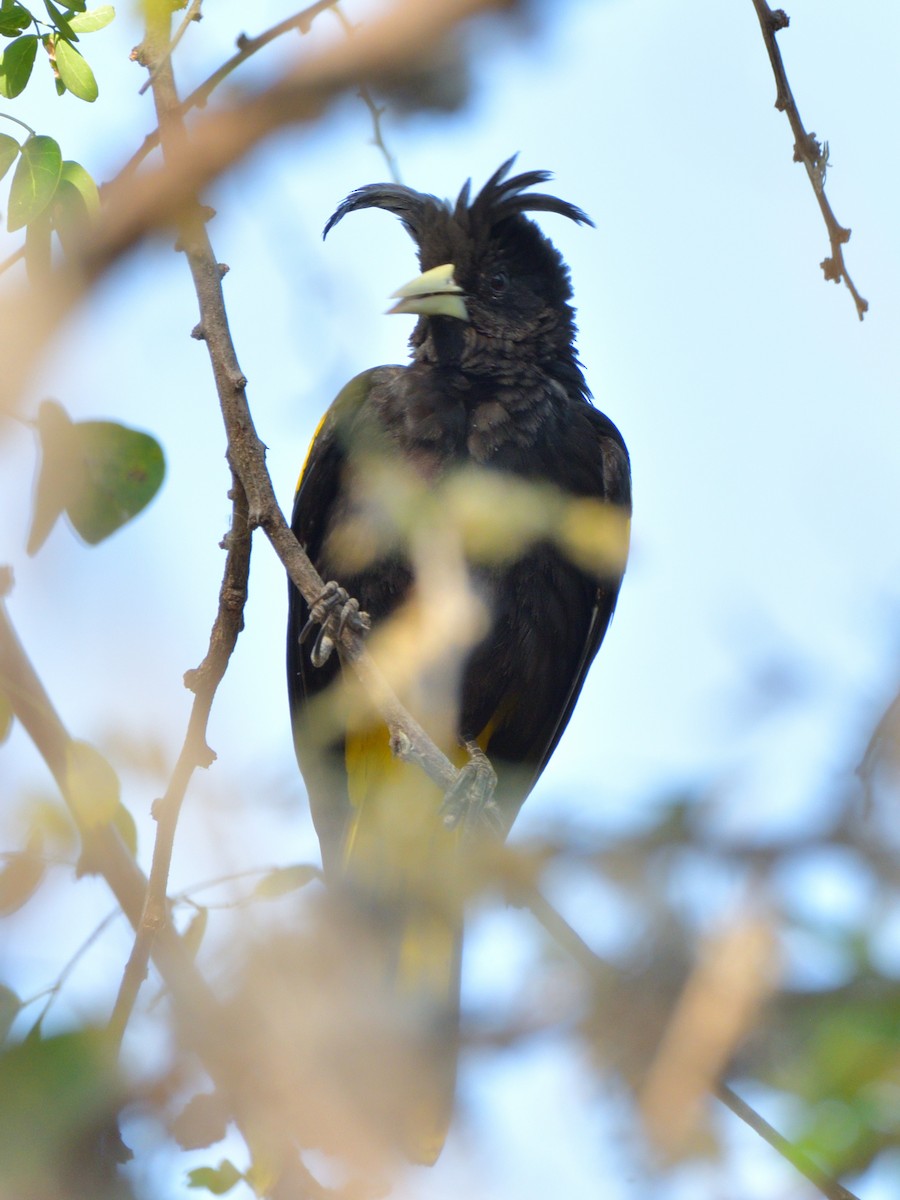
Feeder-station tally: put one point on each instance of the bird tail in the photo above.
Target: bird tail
(404, 868)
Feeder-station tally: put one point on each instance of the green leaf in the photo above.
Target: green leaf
(10, 1006)
(92, 786)
(217, 1180)
(75, 174)
(55, 1093)
(60, 21)
(75, 206)
(34, 181)
(93, 19)
(285, 879)
(13, 19)
(9, 151)
(100, 473)
(124, 469)
(76, 6)
(75, 72)
(16, 63)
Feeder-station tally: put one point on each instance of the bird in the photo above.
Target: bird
(491, 418)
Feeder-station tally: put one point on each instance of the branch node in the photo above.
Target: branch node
(238, 380)
(778, 19)
(7, 580)
(198, 333)
(242, 41)
(223, 269)
(139, 55)
(401, 746)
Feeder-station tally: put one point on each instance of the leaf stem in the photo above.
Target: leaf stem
(8, 117)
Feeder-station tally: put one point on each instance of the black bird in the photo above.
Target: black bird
(485, 456)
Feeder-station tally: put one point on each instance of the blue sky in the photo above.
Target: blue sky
(761, 416)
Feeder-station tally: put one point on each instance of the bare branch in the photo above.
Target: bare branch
(807, 150)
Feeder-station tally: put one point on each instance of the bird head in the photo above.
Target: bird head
(493, 288)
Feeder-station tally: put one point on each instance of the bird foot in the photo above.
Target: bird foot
(470, 801)
(333, 610)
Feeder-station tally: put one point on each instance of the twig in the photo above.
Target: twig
(401, 33)
(376, 110)
(199, 1014)
(204, 682)
(56, 987)
(807, 150)
(247, 46)
(193, 14)
(830, 1188)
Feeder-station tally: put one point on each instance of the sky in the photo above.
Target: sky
(757, 629)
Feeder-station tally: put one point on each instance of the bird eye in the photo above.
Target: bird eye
(498, 282)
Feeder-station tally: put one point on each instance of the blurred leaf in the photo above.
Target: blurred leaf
(92, 786)
(16, 64)
(93, 19)
(217, 1180)
(34, 181)
(101, 473)
(193, 935)
(77, 6)
(20, 878)
(13, 19)
(38, 256)
(9, 152)
(127, 829)
(285, 879)
(75, 207)
(10, 1006)
(70, 218)
(75, 72)
(6, 717)
(202, 1122)
(52, 1092)
(74, 173)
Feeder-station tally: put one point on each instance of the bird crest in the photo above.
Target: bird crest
(442, 230)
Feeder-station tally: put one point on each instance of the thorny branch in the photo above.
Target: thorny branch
(807, 150)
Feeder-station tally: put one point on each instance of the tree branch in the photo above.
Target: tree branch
(572, 942)
(808, 151)
(830, 1188)
(301, 21)
(202, 1023)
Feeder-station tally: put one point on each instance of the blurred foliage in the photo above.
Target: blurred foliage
(304, 1038)
(100, 473)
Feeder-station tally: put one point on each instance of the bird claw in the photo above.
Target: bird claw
(470, 802)
(333, 599)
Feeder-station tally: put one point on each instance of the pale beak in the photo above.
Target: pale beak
(434, 293)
